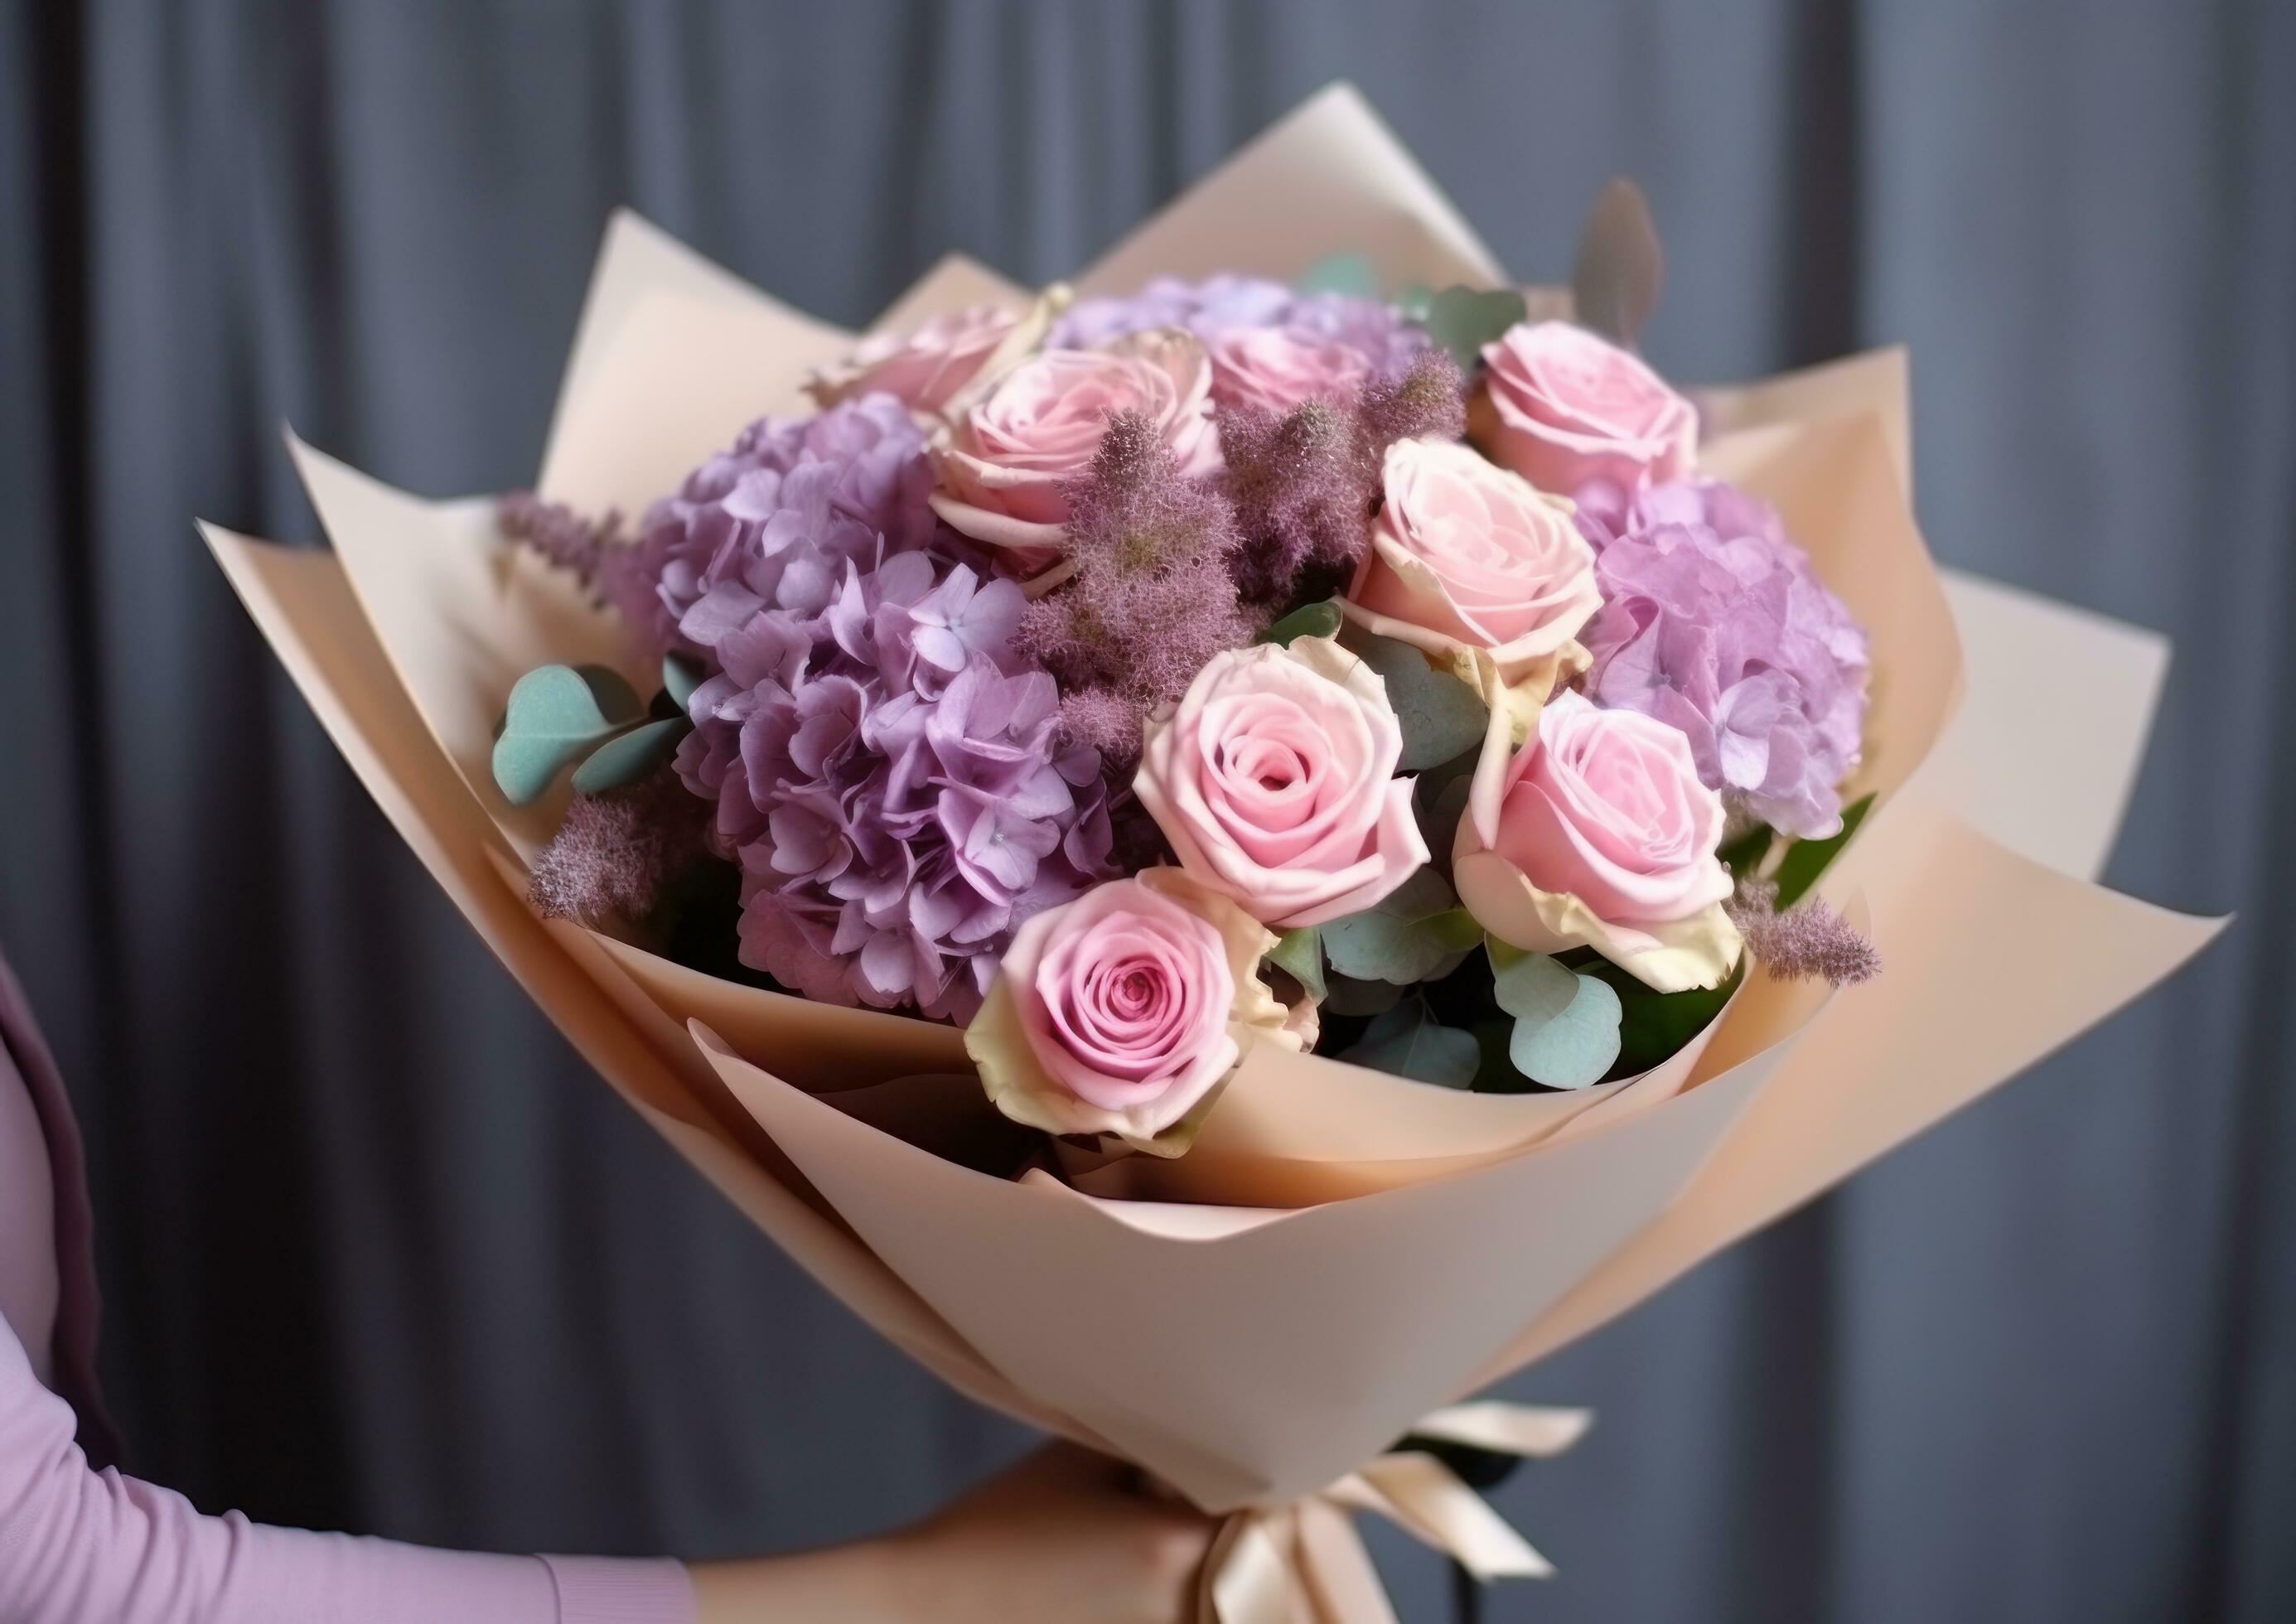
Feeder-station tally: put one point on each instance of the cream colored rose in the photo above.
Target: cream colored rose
(1468, 560)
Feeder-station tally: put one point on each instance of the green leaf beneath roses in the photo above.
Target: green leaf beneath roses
(1574, 1045)
(1345, 996)
(1614, 285)
(628, 757)
(1404, 1042)
(1300, 953)
(555, 714)
(1309, 621)
(1406, 937)
(1347, 272)
(1806, 861)
(1531, 987)
(1442, 718)
(1653, 1026)
(1463, 320)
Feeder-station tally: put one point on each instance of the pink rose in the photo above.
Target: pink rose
(1275, 368)
(1600, 834)
(1121, 1012)
(1562, 406)
(923, 368)
(1468, 557)
(1274, 779)
(1000, 465)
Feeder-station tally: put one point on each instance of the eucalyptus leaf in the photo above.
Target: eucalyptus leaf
(1442, 718)
(1300, 953)
(1463, 320)
(1319, 619)
(1615, 284)
(1347, 272)
(556, 714)
(680, 676)
(1404, 1042)
(1575, 1045)
(1344, 995)
(1414, 301)
(1406, 937)
(1532, 986)
(1807, 861)
(628, 757)
(1653, 1026)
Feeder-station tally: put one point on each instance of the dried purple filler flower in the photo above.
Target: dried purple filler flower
(1808, 941)
(615, 852)
(1152, 598)
(1305, 485)
(562, 536)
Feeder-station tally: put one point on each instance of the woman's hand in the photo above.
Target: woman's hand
(1059, 1536)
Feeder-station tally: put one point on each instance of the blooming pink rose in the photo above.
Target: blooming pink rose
(1120, 1011)
(923, 368)
(1599, 832)
(1466, 556)
(1562, 406)
(1274, 779)
(1000, 465)
(1275, 368)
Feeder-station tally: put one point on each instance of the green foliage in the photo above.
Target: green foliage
(1442, 718)
(1406, 1042)
(1653, 1026)
(1463, 320)
(1318, 620)
(1412, 934)
(628, 757)
(1348, 272)
(555, 714)
(558, 715)
(1300, 953)
(1806, 861)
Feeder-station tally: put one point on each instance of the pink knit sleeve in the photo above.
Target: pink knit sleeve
(77, 1545)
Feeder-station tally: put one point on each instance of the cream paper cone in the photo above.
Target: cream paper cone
(1250, 1353)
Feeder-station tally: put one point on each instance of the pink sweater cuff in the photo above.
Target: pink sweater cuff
(603, 1590)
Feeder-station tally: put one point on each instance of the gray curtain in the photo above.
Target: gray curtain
(380, 1254)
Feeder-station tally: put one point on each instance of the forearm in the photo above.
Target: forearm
(77, 1545)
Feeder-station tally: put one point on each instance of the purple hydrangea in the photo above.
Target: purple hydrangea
(1714, 622)
(773, 522)
(1207, 308)
(884, 765)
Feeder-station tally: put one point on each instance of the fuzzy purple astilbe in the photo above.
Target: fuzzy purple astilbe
(888, 774)
(1715, 623)
(1387, 342)
(1807, 942)
(614, 853)
(1152, 598)
(1306, 484)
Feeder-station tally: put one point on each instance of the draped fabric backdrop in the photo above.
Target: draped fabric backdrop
(379, 1252)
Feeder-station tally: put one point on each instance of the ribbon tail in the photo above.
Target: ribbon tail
(1422, 1497)
(1341, 1583)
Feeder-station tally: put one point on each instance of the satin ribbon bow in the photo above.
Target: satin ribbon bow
(1304, 1563)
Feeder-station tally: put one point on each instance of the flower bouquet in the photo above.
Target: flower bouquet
(1300, 799)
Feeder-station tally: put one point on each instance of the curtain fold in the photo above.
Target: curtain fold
(379, 1254)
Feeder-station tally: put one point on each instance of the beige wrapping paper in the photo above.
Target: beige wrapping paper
(1344, 1252)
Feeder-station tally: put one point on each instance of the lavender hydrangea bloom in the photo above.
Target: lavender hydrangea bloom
(772, 523)
(1207, 308)
(884, 765)
(1714, 622)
